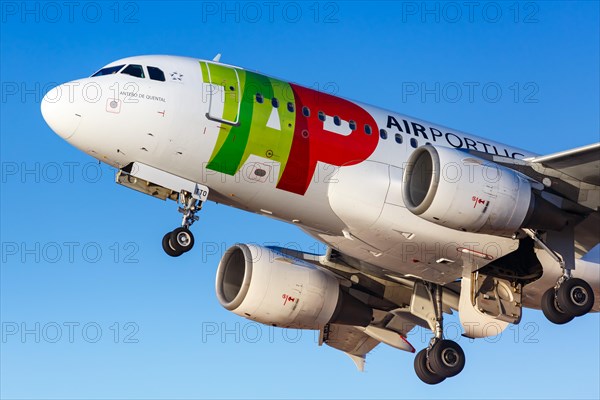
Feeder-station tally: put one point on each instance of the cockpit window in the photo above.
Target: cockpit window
(156, 74)
(109, 70)
(134, 70)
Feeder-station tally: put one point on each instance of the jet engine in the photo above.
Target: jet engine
(454, 189)
(266, 286)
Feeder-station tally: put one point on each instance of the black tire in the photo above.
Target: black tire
(447, 358)
(167, 246)
(575, 296)
(182, 239)
(424, 372)
(552, 311)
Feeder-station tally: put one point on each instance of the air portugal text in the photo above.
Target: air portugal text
(435, 135)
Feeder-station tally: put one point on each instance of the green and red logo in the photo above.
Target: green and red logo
(285, 123)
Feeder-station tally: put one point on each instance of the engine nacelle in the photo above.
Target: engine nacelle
(457, 190)
(263, 285)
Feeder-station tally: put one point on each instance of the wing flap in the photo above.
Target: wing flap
(350, 340)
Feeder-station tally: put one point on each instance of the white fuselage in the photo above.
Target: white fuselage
(356, 206)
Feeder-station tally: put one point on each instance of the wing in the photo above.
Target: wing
(579, 167)
(349, 339)
(582, 163)
(392, 318)
(570, 180)
(388, 327)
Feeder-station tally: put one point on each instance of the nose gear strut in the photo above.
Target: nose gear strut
(181, 240)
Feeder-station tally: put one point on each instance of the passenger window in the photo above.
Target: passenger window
(352, 125)
(368, 129)
(398, 138)
(322, 116)
(259, 98)
(290, 107)
(414, 143)
(134, 70)
(306, 111)
(383, 133)
(109, 70)
(275, 102)
(156, 74)
(337, 120)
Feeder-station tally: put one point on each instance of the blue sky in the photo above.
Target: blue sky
(92, 308)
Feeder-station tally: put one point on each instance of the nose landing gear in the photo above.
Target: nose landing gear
(181, 240)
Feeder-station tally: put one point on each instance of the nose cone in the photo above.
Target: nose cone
(59, 109)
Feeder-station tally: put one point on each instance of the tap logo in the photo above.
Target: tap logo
(290, 124)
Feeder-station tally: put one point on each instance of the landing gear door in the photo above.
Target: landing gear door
(488, 305)
(223, 91)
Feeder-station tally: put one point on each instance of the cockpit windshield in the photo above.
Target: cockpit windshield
(136, 70)
(156, 74)
(109, 70)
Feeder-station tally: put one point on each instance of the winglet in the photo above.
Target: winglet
(358, 361)
(217, 58)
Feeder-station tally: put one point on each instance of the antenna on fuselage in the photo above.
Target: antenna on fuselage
(217, 58)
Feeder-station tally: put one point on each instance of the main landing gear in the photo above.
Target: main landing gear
(181, 240)
(442, 358)
(570, 297)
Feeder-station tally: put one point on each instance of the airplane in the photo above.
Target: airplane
(419, 220)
